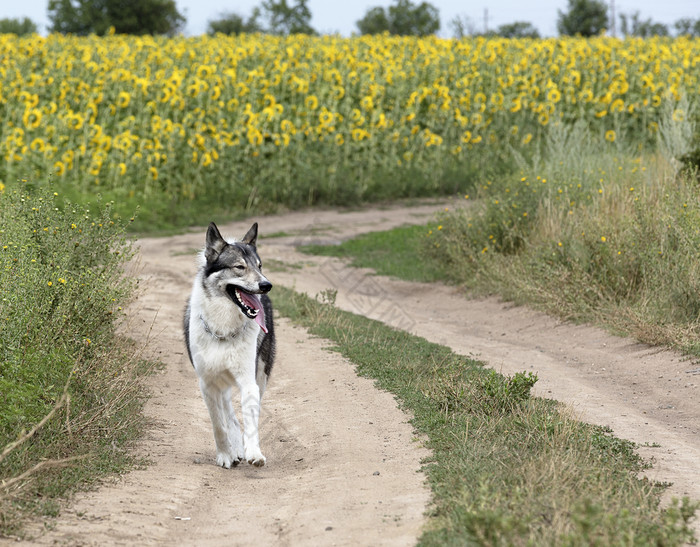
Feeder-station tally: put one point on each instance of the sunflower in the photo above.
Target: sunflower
(123, 99)
(32, 118)
(311, 102)
(38, 145)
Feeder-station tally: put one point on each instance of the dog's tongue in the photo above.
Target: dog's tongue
(253, 301)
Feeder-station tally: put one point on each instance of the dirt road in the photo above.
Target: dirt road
(343, 464)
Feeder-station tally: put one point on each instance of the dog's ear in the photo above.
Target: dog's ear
(215, 243)
(252, 236)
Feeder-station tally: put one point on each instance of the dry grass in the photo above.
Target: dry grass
(609, 237)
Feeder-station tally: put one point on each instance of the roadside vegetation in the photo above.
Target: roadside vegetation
(70, 391)
(507, 468)
(397, 253)
(606, 236)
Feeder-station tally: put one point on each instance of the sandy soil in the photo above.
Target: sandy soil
(343, 463)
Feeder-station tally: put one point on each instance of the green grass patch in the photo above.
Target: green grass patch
(275, 265)
(507, 468)
(70, 390)
(270, 189)
(395, 252)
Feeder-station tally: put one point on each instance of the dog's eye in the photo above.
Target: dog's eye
(239, 267)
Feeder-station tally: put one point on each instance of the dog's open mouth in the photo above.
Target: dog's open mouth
(249, 303)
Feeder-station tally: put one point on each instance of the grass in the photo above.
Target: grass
(161, 214)
(393, 252)
(70, 389)
(507, 468)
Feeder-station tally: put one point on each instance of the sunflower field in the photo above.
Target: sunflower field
(259, 119)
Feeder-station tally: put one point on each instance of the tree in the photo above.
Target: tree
(285, 19)
(126, 16)
(687, 27)
(233, 23)
(17, 26)
(462, 25)
(585, 17)
(632, 25)
(375, 21)
(518, 29)
(403, 18)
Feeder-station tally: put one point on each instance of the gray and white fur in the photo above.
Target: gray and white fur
(230, 339)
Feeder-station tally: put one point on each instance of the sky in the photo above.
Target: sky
(331, 16)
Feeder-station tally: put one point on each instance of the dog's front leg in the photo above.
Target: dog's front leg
(214, 399)
(234, 428)
(250, 406)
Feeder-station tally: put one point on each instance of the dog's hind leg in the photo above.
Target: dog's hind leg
(214, 399)
(250, 405)
(261, 377)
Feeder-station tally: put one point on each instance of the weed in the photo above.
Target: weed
(70, 388)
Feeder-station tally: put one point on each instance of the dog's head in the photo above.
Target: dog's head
(234, 268)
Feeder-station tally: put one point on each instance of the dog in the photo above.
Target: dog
(230, 340)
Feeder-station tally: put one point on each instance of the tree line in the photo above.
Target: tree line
(403, 17)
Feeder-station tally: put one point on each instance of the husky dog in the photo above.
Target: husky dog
(230, 340)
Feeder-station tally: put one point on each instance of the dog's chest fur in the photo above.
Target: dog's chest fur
(222, 340)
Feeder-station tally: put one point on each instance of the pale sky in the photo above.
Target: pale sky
(340, 17)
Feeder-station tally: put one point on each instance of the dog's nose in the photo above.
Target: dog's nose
(264, 286)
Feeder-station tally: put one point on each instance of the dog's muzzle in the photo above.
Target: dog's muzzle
(264, 287)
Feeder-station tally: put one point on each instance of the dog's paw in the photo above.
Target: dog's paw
(226, 460)
(237, 450)
(255, 457)
(258, 462)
